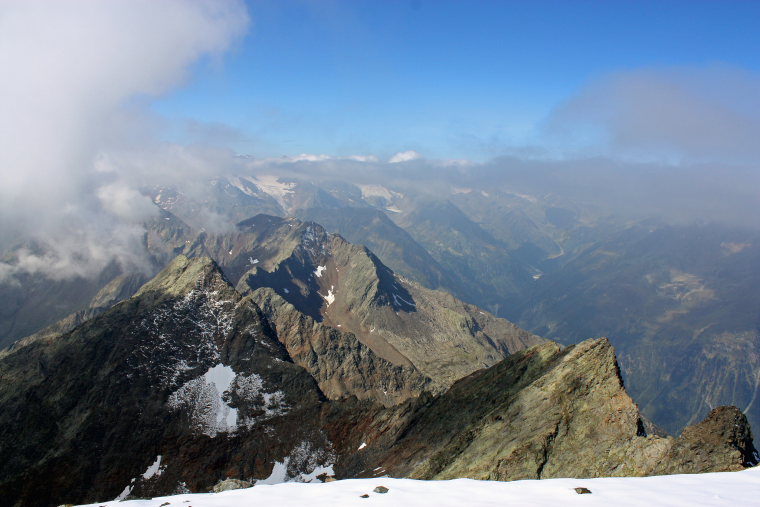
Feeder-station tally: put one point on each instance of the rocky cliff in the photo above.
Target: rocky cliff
(545, 412)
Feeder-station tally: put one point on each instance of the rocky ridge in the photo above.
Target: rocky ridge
(159, 378)
(541, 413)
(214, 371)
(347, 288)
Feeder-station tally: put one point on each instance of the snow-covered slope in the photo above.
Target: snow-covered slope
(728, 488)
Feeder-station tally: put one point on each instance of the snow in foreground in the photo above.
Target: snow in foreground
(730, 488)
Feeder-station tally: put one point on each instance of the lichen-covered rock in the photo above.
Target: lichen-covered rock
(547, 412)
(723, 441)
(230, 484)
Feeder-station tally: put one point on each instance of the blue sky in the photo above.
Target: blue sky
(450, 79)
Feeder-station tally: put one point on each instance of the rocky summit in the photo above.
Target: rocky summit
(346, 288)
(280, 352)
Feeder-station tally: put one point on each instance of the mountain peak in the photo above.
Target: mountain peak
(185, 274)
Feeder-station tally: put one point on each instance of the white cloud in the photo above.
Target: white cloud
(404, 156)
(311, 157)
(706, 114)
(74, 74)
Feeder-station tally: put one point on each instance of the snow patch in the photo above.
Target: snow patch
(124, 494)
(364, 444)
(527, 197)
(272, 186)
(315, 462)
(313, 241)
(319, 470)
(203, 398)
(731, 248)
(279, 473)
(378, 191)
(241, 185)
(330, 297)
(205, 314)
(319, 270)
(397, 298)
(253, 261)
(251, 388)
(286, 291)
(154, 470)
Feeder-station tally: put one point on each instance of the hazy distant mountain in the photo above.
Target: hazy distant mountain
(681, 304)
(395, 246)
(490, 276)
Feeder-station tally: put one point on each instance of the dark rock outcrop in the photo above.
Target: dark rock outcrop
(176, 388)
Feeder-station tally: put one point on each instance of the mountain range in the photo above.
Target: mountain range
(278, 351)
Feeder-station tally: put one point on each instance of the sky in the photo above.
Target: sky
(449, 79)
(102, 99)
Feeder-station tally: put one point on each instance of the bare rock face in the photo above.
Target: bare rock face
(341, 364)
(549, 412)
(347, 288)
(722, 441)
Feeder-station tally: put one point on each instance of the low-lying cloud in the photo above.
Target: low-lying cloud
(706, 114)
(75, 75)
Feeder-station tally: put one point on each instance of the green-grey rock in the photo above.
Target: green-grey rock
(230, 484)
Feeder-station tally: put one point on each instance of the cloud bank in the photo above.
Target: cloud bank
(703, 114)
(76, 77)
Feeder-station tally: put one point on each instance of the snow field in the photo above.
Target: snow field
(729, 488)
